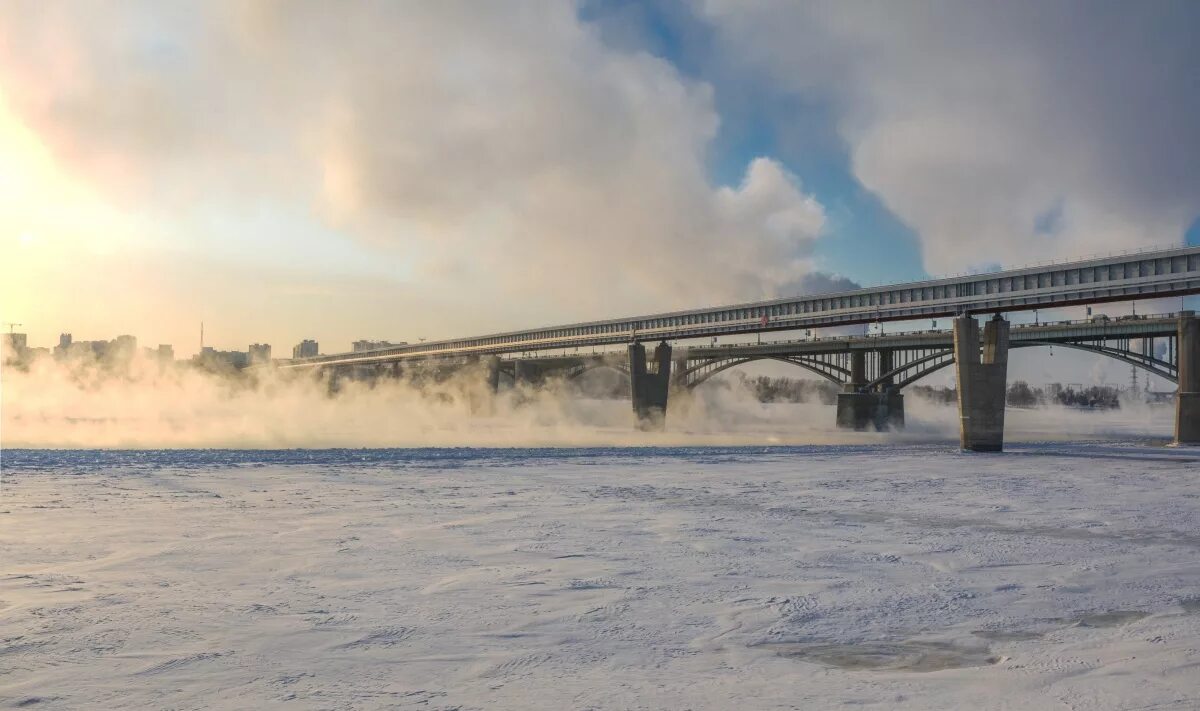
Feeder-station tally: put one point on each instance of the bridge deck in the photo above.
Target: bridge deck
(1172, 272)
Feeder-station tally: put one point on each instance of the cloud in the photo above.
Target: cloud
(824, 283)
(1000, 132)
(504, 148)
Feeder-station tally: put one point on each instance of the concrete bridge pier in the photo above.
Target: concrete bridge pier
(491, 372)
(333, 379)
(854, 405)
(889, 409)
(487, 369)
(648, 385)
(876, 409)
(1187, 399)
(859, 408)
(526, 373)
(982, 383)
(889, 406)
(679, 372)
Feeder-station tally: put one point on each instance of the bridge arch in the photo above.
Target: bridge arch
(931, 362)
(576, 371)
(702, 372)
(1150, 364)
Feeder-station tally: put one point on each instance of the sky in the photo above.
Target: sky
(403, 170)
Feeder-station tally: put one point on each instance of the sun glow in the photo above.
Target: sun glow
(52, 223)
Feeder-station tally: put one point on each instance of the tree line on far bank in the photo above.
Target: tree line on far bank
(1020, 393)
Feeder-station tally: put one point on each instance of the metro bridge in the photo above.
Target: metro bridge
(871, 369)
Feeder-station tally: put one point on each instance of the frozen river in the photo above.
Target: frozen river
(1055, 575)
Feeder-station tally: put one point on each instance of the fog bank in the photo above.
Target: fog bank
(85, 405)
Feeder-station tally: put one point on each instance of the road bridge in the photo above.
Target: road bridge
(871, 370)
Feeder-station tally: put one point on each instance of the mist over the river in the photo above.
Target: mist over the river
(146, 404)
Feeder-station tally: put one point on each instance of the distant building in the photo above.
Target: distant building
(117, 351)
(365, 345)
(122, 347)
(15, 346)
(165, 353)
(214, 359)
(17, 342)
(259, 353)
(305, 349)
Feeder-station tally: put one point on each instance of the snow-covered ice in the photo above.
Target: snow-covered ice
(872, 575)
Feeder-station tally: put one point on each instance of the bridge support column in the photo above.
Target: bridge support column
(887, 361)
(491, 365)
(859, 409)
(648, 386)
(526, 373)
(858, 372)
(1187, 399)
(855, 408)
(334, 376)
(881, 410)
(889, 410)
(982, 383)
(891, 405)
(679, 372)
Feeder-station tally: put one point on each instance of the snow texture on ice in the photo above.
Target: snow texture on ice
(902, 576)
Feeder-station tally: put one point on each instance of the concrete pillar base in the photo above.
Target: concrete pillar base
(1187, 418)
(893, 410)
(649, 384)
(854, 410)
(526, 373)
(877, 411)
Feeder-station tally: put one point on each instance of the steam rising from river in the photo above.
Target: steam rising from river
(54, 404)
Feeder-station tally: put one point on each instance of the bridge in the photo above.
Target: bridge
(871, 370)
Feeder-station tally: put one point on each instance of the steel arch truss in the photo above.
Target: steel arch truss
(578, 370)
(922, 365)
(909, 365)
(916, 364)
(1145, 359)
(834, 367)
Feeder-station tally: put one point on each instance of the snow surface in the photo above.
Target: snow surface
(901, 575)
